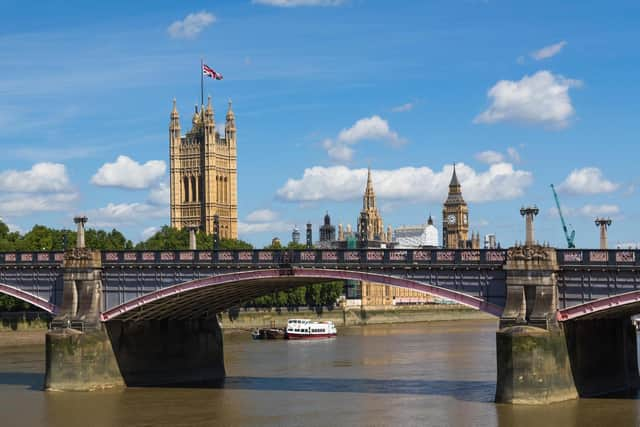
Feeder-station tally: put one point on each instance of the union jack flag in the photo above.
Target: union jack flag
(208, 71)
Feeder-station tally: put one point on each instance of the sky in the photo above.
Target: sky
(519, 95)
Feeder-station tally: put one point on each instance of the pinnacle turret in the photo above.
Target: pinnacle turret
(230, 114)
(369, 199)
(175, 118)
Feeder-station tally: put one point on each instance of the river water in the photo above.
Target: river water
(426, 374)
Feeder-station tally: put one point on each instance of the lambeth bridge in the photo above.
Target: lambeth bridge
(149, 317)
(188, 284)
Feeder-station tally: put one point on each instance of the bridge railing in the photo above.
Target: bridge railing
(31, 257)
(598, 257)
(566, 257)
(308, 257)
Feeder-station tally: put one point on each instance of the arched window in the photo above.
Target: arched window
(185, 189)
(193, 189)
(226, 191)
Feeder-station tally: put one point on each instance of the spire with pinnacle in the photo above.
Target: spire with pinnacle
(175, 117)
(455, 189)
(230, 126)
(369, 199)
(454, 184)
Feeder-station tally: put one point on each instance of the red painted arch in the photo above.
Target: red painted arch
(27, 297)
(598, 306)
(313, 273)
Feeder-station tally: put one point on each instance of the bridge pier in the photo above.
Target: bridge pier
(80, 361)
(168, 352)
(533, 362)
(604, 355)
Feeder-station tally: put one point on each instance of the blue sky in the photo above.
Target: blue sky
(518, 95)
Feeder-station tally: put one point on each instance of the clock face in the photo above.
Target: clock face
(451, 219)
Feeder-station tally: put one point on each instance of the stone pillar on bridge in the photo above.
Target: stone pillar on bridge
(193, 245)
(529, 213)
(532, 358)
(79, 355)
(80, 222)
(604, 226)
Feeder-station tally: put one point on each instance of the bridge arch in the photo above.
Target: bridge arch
(612, 306)
(227, 290)
(27, 297)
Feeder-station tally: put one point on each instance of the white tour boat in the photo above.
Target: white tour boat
(304, 329)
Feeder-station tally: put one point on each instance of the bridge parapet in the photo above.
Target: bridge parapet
(314, 257)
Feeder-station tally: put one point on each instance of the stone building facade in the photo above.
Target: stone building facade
(370, 221)
(203, 175)
(455, 219)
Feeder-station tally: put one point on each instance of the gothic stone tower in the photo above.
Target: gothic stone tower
(204, 173)
(455, 217)
(369, 216)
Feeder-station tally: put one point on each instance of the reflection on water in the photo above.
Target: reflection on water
(435, 374)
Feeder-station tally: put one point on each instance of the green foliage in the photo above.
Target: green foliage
(41, 238)
(323, 294)
(169, 238)
(8, 303)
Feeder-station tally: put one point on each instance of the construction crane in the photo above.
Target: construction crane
(567, 236)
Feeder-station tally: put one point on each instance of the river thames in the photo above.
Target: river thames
(427, 374)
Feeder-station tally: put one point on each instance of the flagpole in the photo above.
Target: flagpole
(201, 82)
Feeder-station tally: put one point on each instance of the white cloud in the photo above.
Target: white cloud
(114, 215)
(42, 177)
(513, 154)
(160, 195)
(539, 99)
(373, 127)
(296, 3)
(548, 51)
(403, 108)
(262, 215)
(191, 26)
(148, 232)
(368, 128)
(588, 211)
(245, 228)
(25, 203)
(262, 221)
(489, 157)
(127, 173)
(338, 152)
(339, 183)
(588, 180)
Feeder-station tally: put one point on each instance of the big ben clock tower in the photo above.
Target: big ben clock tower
(455, 217)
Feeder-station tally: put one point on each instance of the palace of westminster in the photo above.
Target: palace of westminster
(204, 195)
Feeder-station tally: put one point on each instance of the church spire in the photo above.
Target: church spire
(369, 199)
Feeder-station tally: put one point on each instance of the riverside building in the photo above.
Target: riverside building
(204, 171)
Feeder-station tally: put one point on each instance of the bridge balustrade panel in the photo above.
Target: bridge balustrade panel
(37, 273)
(590, 274)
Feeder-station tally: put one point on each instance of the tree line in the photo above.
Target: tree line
(42, 238)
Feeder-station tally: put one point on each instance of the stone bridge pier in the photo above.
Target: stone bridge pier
(83, 353)
(539, 359)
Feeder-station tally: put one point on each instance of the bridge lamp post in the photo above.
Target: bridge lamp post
(309, 236)
(216, 232)
(604, 225)
(529, 213)
(364, 232)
